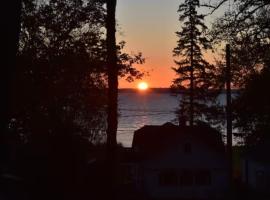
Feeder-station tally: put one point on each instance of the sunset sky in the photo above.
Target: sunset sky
(149, 26)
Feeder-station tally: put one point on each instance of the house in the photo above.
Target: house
(256, 167)
(174, 162)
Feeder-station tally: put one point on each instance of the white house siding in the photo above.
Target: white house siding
(201, 157)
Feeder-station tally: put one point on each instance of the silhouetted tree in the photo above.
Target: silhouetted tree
(195, 75)
(252, 108)
(245, 9)
(62, 67)
(59, 99)
(248, 35)
(10, 21)
(60, 74)
(246, 27)
(112, 110)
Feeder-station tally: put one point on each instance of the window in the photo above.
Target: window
(168, 178)
(203, 178)
(186, 178)
(187, 148)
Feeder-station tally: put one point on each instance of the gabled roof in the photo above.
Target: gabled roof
(151, 140)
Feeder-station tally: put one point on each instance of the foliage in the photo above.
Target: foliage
(252, 108)
(59, 96)
(245, 8)
(61, 76)
(195, 74)
(246, 26)
(59, 67)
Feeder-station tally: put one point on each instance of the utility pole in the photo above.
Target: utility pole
(191, 101)
(229, 113)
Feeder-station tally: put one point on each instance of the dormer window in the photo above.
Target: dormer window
(187, 148)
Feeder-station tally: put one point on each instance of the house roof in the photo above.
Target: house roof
(150, 140)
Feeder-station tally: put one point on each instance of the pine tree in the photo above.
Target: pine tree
(195, 74)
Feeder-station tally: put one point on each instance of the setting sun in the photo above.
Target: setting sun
(143, 86)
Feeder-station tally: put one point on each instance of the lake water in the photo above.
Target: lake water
(145, 108)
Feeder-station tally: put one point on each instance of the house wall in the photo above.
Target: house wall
(215, 190)
(256, 175)
(201, 157)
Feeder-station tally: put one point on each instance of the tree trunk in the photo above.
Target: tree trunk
(112, 120)
(112, 75)
(10, 31)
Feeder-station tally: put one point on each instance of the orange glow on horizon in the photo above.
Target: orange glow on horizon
(151, 32)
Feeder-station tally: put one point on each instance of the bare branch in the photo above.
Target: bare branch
(214, 7)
